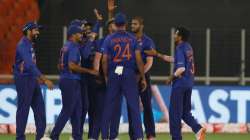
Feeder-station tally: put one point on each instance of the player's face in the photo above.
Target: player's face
(87, 29)
(34, 33)
(112, 28)
(78, 37)
(177, 38)
(135, 26)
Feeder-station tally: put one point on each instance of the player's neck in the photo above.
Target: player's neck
(121, 28)
(72, 39)
(139, 34)
(179, 42)
(29, 37)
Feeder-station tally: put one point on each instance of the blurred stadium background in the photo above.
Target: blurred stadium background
(220, 38)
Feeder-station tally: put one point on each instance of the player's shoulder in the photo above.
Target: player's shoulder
(67, 44)
(22, 43)
(71, 46)
(109, 37)
(131, 35)
(187, 46)
(148, 38)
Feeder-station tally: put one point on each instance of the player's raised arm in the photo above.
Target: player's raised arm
(111, 8)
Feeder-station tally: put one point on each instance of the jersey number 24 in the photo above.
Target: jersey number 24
(122, 54)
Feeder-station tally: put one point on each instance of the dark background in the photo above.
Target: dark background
(225, 18)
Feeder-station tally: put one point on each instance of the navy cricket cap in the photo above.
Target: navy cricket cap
(76, 22)
(120, 19)
(31, 25)
(73, 29)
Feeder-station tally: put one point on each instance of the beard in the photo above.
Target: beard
(35, 38)
(135, 30)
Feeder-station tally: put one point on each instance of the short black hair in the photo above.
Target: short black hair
(25, 32)
(183, 32)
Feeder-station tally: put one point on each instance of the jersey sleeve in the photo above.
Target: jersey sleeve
(179, 58)
(99, 45)
(73, 55)
(104, 46)
(137, 45)
(150, 45)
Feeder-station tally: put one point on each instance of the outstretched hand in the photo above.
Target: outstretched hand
(98, 15)
(111, 5)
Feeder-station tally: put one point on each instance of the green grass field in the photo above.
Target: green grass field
(161, 136)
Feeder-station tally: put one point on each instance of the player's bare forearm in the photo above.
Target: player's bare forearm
(105, 66)
(139, 63)
(111, 8)
(110, 15)
(179, 71)
(165, 58)
(97, 61)
(46, 81)
(149, 63)
(176, 75)
(79, 69)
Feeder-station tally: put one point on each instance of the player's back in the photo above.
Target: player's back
(120, 48)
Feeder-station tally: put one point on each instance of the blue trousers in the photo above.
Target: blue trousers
(115, 123)
(118, 85)
(148, 117)
(96, 95)
(85, 104)
(180, 109)
(29, 95)
(72, 106)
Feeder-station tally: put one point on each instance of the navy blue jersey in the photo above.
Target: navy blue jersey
(120, 48)
(184, 57)
(88, 51)
(25, 60)
(146, 43)
(69, 53)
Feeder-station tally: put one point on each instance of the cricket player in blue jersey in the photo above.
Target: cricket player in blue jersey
(27, 75)
(115, 123)
(182, 83)
(93, 86)
(70, 70)
(146, 44)
(86, 43)
(121, 59)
